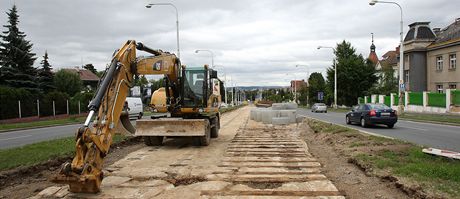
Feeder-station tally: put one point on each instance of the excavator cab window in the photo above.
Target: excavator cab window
(194, 84)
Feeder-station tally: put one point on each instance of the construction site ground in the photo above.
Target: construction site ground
(248, 160)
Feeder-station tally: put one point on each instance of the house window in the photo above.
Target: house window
(452, 61)
(439, 88)
(406, 76)
(453, 86)
(439, 63)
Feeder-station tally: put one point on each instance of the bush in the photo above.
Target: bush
(67, 82)
(84, 99)
(60, 102)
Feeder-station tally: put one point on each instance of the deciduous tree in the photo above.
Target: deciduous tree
(355, 75)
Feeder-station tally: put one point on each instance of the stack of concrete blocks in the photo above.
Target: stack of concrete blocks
(279, 113)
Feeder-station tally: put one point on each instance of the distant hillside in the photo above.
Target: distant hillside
(248, 88)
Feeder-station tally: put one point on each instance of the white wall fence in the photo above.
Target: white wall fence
(449, 107)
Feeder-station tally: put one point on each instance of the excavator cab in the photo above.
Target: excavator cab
(195, 84)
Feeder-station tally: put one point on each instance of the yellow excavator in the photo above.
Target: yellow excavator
(191, 97)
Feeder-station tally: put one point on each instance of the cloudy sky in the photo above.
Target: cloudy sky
(256, 42)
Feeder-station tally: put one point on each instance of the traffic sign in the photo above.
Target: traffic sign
(402, 86)
(320, 96)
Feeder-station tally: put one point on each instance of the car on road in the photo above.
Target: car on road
(319, 107)
(135, 107)
(370, 114)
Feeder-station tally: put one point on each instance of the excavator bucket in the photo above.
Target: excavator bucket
(124, 126)
(171, 127)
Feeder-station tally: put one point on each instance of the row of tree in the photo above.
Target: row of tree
(356, 77)
(21, 81)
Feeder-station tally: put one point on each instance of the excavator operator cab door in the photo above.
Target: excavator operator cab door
(195, 88)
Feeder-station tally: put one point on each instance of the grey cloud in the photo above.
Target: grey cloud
(258, 42)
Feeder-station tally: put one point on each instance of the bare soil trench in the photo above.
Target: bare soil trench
(337, 166)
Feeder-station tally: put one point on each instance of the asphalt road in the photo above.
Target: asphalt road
(427, 134)
(23, 137)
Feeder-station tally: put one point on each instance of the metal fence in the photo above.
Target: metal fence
(436, 99)
(455, 95)
(41, 108)
(416, 98)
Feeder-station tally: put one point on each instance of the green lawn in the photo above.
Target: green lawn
(40, 152)
(52, 122)
(401, 159)
(437, 118)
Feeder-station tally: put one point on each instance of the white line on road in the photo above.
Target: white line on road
(419, 129)
(13, 138)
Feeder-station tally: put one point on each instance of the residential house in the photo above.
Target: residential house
(88, 78)
(442, 58)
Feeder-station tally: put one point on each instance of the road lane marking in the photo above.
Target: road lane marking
(429, 123)
(360, 130)
(13, 138)
(419, 129)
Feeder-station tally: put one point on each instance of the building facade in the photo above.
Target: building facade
(442, 59)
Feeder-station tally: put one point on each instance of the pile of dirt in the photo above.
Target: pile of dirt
(335, 151)
(24, 182)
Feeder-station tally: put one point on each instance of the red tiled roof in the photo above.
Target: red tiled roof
(85, 75)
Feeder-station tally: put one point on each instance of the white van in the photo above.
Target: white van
(135, 107)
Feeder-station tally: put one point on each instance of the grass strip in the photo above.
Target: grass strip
(36, 153)
(437, 118)
(403, 160)
(52, 122)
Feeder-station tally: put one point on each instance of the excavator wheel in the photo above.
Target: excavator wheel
(153, 140)
(215, 128)
(206, 139)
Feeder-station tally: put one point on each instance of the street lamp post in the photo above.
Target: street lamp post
(308, 85)
(401, 54)
(177, 21)
(225, 82)
(212, 56)
(335, 77)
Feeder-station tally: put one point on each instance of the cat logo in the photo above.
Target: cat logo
(158, 65)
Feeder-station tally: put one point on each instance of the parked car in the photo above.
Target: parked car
(135, 107)
(319, 107)
(371, 114)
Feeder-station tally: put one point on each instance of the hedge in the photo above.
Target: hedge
(455, 97)
(416, 98)
(360, 100)
(9, 107)
(437, 99)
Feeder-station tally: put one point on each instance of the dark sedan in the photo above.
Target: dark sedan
(371, 114)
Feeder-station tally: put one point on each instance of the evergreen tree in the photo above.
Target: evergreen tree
(16, 57)
(91, 68)
(45, 75)
(355, 75)
(316, 84)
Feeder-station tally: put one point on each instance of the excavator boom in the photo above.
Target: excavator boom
(93, 140)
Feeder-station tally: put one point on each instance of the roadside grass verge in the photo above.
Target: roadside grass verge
(228, 109)
(436, 118)
(37, 153)
(52, 122)
(403, 161)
